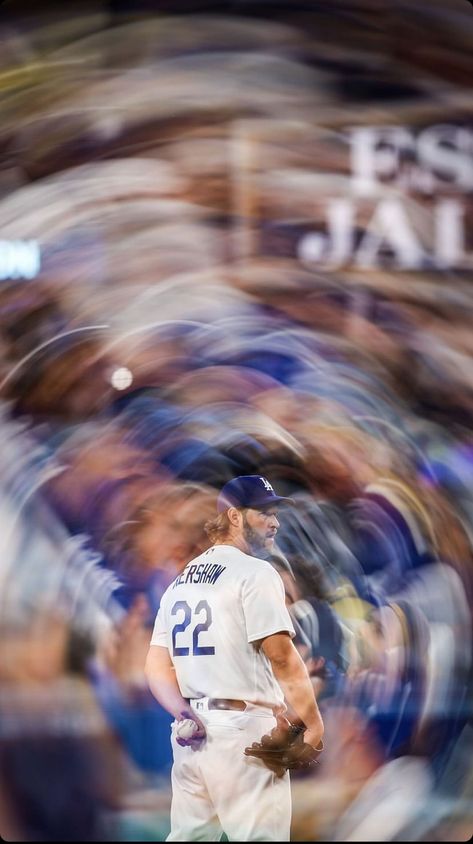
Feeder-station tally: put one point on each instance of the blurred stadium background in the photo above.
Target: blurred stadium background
(236, 238)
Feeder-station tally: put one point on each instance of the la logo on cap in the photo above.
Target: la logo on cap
(266, 484)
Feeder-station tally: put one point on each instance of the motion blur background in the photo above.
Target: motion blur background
(236, 238)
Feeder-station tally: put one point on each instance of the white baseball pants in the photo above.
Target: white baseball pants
(216, 788)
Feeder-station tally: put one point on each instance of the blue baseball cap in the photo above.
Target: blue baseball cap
(249, 491)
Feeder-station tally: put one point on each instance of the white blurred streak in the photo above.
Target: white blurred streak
(260, 425)
(441, 660)
(391, 799)
(50, 342)
(439, 592)
(206, 301)
(46, 209)
(203, 82)
(143, 42)
(42, 569)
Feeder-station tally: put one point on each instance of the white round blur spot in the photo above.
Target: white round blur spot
(121, 378)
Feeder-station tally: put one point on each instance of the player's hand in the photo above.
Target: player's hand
(285, 749)
(197, 736)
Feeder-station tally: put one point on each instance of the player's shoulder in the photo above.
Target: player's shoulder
(225, 553)
(240, 564)
(257, 566)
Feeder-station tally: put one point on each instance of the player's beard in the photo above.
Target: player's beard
(254, 540)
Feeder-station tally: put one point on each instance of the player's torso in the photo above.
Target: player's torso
(206, 630)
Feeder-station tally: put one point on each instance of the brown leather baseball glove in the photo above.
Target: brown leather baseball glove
(284, 748)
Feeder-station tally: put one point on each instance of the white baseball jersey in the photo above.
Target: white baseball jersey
(210, 618)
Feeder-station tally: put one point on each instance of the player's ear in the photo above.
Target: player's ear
(234, 516)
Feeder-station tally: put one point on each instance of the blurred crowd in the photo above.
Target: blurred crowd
(173, 338)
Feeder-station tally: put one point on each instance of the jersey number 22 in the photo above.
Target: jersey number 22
(180, 627)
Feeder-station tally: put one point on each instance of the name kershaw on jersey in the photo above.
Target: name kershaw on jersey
(202, 573)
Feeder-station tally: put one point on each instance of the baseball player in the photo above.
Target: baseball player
(222, 662)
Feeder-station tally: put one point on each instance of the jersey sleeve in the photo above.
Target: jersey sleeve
(159, 636)
(264, 604)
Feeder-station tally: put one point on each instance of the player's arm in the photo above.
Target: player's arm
(293, 677)
(162, 681)
(161, 677)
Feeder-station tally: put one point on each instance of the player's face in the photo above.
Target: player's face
(259, 529)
